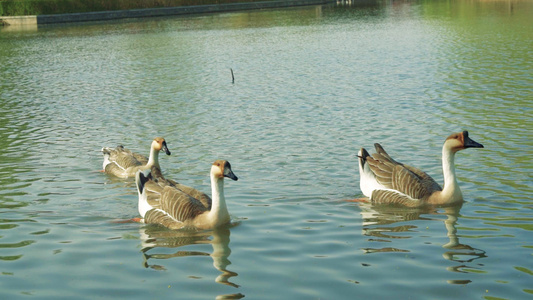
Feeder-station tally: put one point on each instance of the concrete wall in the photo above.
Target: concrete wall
(154, 12)
(19, 20)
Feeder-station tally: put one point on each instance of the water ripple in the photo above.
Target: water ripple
(312, 86)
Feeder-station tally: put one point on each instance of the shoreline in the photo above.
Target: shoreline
(152, 12)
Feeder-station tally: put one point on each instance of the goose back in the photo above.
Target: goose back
(153, 193)
(179, 205)
(158, 177)
(402, 183)
(124, 157)
(118, 160)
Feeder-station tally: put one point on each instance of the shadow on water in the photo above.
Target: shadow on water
(156, 237)
(385, 224)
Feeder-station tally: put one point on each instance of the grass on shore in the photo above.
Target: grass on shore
(49, 7)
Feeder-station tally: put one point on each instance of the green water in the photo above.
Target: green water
(312, 86)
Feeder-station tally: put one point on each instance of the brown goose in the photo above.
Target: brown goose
(386, 181)
(123, 163)
(176, 209)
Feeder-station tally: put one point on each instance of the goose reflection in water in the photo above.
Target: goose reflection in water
(457, 252)
(154, 237)
(377, 221)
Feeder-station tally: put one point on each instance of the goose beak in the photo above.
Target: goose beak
(165, 148)
(470, 143)
(232, 176)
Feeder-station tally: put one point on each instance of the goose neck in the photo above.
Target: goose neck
(451, 188)
(153, 160)
(218, 204)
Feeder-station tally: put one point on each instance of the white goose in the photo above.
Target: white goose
(386, 181)
(175, 209)
(123, 163)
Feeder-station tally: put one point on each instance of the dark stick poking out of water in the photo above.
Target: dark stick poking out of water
(232, 77)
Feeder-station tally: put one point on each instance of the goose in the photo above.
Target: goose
(386, 181)
(123, 163)
(176, 209)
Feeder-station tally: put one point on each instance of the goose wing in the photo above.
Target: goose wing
(203, 198)
(157, 216)
(114, 168)
(143, 160)
(179, 205)
(124, 158)
(400, 178)
(153, 193)
(127, 159)
(158, 177)
(419, 173)
(394, 197)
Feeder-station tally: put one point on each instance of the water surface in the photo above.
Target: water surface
(312, 86)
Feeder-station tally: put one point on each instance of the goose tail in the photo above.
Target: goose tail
(367, 179)
(140, 181)
(106, 151)
(362, 155)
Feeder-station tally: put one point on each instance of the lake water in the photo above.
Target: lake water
(312, 86)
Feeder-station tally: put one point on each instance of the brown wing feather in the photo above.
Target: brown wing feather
(153, 193)
(196, 194)
(392, 197)
(125, 158)
(412, 185)
(423, 175)
(157, 216)
(113, 168)
(179, 205)
(412, 182)
(382, 169)
(385, 155)
(158, 177)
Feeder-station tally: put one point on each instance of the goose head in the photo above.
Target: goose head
(221, 169)
(460, 141)
(159, 144)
